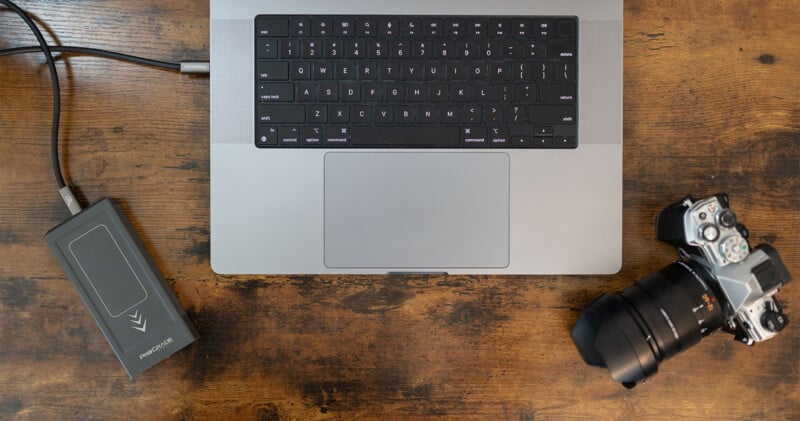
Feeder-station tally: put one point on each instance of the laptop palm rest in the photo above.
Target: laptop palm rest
(423, 210)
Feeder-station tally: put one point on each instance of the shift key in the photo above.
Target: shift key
(286, 113)
(548, 115)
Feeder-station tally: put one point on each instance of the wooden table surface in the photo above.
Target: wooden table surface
(712, 103)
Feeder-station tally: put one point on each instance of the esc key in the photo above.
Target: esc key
(272, 26)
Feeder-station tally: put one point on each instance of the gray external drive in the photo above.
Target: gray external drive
(121, 286)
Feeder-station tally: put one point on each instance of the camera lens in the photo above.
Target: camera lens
(654, 319)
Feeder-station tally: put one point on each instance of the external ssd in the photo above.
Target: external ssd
(119, 282)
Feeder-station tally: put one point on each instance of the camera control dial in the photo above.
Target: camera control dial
(709, 232)
(734, 248)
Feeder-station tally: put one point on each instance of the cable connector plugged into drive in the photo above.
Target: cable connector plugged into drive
(121, 286)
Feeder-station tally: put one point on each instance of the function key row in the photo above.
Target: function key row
(287, 48)
(413, 27)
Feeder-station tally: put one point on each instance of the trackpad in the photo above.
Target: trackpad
(409, 210)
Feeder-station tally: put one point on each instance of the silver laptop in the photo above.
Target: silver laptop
(419, 136)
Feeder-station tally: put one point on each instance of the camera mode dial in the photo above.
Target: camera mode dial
(734, 248)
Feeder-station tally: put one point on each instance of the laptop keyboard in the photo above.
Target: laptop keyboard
(416, 81)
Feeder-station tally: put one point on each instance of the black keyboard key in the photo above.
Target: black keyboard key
(412, 27)
(456, 27)
(390, 71)
(317, 113)
(449, 114)
(333, 49)
(311, 135)
(499, 28)
(477, 28)
(312, 48)
(322, 27)
(273, 70)
(400, 49)
(437, 92)
(433, 27)
(368, 70)
(565, 72)
(267, 48)
(360, 114)
(472, 114)
(474, 136)
(367, 27)
(498, 136)
(542, 72)
(521, 141)
(405, 114)
(266, 136)
(521, 28)
(526, 93)
(542, 142)
(289, 48)
(389, 27)
(515, 114)
(561, 49)
(350, 92)
(345, 27)
(324, 70)
(267, 26)
(427, 114)
(416, 93)
(328, 91)
(395, 92)
(336, 135)
(566, 28)
(289, 135)
(378, 49)
(551, 115)
(300, 70)
(276, 92)
(383, 114)
(339, 113)
(346, 70)
(372, 92)
(306, 92)
(355, 49)
(557, 94)
(565, 142)
(300, 27)
(543, 28)
(283, 113)
(494, 114)
(405, 136)
(460, 93)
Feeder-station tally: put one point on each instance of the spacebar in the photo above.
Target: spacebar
(413, 137)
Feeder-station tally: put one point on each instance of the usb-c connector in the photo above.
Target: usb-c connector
(196, 67)
(70, 200)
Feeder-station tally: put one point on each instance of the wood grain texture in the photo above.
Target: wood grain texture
(712, 103)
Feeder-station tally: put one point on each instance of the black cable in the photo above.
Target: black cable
(95, 52)
(56, 90)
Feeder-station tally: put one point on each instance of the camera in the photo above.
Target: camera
(719, 282)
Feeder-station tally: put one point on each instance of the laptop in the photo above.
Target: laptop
(375, 137)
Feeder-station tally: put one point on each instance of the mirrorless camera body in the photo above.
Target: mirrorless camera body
(720, 282)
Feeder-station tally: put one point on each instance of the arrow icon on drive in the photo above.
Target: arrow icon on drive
(136, 320)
